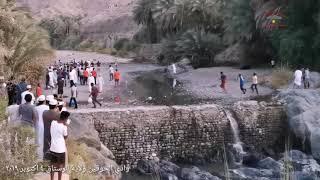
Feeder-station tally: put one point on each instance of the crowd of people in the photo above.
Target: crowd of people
(47, 114)
(76, 74)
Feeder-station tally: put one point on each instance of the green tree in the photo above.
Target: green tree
(299, 43)
(200, 47)
(23, 43)
(142, 15)
(64, 31)
(239, 21)
(173, 16)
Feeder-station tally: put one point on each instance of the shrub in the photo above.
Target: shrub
(280, 77)
(70, 43)
(126, 45)
(119, 44)
(16, 149)
(199, 46)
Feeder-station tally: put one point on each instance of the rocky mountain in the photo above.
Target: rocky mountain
(104, 20)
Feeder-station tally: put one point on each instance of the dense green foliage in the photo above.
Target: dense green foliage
(22, 43)
(167, 21)
(64, 31)
(240, 24)
(200, 47)
(126, 45)
(299, 43)
(186, 28)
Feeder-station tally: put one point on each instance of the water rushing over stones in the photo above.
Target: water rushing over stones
(235, 130)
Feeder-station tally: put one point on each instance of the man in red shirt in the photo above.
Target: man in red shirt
(116, 77)
(94, 95)
(85, 76)
(94, 74)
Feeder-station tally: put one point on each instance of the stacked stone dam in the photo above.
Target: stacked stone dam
(182, 132)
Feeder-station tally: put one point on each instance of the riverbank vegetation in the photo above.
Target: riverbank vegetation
(23, 44)
(24, 52)
(16, 149)
(287, 32)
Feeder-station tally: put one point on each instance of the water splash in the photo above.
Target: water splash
(236, 138)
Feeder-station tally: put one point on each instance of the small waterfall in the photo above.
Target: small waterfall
(236, 138)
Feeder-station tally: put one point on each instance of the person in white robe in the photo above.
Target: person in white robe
(174, 68)
(39, 125)
(100, 83)
(297, 78)
(73, 76)
(51, 77)
(90, 80)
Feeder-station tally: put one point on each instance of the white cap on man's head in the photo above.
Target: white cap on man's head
(53, 102)
(60, 103)
(49, 97)
(41, 98)
(29, 86)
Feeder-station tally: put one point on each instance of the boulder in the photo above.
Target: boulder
(195, 173)
(167, 176)
(251, 173)
(233, 55)
(304, 163)
(148, 167)
(82, 130)
(106, 152)
(169, 167)
(303, 176)
(303, 113)
(269, 163)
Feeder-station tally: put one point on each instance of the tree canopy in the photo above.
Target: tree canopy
(22, 43)
(168, 22)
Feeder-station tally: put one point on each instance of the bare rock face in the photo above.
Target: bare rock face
(83, 131)
(105, 21)
(304, 115)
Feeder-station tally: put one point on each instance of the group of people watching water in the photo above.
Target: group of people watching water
(47, 116)
(79, 74)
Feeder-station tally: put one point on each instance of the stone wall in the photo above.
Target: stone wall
(178, 132)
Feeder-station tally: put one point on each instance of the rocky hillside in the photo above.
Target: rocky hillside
(103, 19)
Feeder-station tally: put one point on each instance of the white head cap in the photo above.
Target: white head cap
(49, 97)
(41, 98)
(60, 103)
(29, 86)
(53, 102)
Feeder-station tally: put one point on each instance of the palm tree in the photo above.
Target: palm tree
(205, 14)
(142, 15)
(239, 20)
(199, 46)
(166, 15)
(173, 16)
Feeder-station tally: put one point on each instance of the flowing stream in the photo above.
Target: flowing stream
(236, 138)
